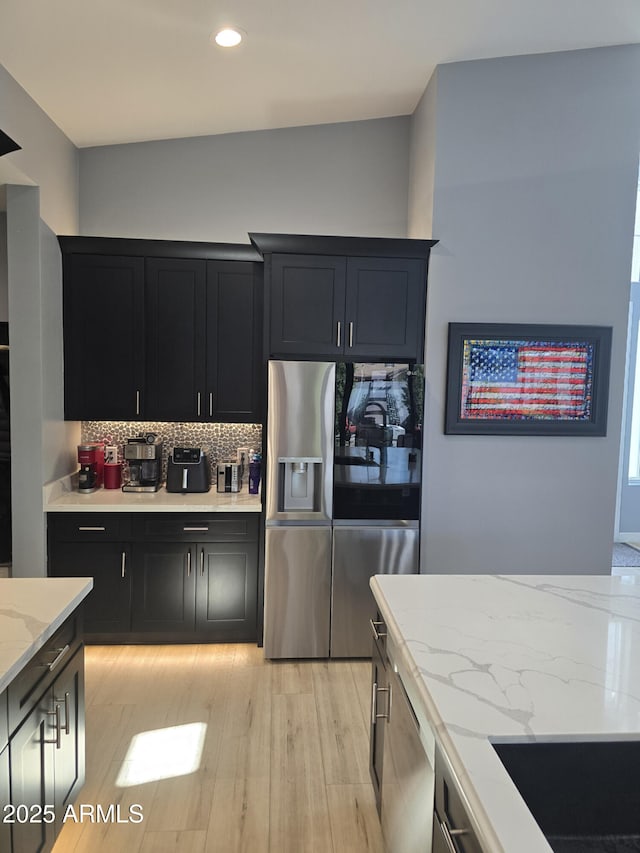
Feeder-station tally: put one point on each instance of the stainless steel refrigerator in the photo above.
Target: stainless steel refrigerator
(343, 470)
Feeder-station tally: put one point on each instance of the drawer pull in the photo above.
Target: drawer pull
(91, 529)
(195, 529)
(374, 628)
(61, 653)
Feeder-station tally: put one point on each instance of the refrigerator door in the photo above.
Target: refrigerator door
(297, 592)
(358, 553)
(300, 427)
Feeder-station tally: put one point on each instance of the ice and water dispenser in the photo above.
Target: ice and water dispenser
(299, 483)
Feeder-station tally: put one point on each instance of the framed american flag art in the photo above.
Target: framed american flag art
(521, 379)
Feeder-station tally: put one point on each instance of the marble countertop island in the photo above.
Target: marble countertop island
(31, 611)
(514, 658)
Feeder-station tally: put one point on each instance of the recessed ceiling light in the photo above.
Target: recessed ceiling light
(228, 37)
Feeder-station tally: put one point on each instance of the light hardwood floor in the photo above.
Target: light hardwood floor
(284, 763)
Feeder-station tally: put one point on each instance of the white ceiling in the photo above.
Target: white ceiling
(110, 71)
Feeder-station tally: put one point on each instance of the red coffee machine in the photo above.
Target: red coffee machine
(91, 460)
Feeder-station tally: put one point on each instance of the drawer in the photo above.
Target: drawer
(4, 730)
(89, 526)
(218, 527)
(28, 686)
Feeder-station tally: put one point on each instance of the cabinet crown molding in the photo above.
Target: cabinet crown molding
(310, 244)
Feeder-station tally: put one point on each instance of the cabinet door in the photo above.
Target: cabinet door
(379, 704)
(385, 308)
(307, 305)
(108, 605)
(31, 755)
(5, 828)
(175, 315)
(103, 337)
(163, 587)
(227, 591)
(68, 705)
(234, 342)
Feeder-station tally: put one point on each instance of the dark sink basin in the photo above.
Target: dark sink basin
(584, 796)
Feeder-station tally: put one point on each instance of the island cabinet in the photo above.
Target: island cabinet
(46, 740)
(345, 297)
(162, 331)
(5, 828)
(161, 577)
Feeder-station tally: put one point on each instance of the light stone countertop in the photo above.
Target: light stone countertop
(514, 658)
(62, 496)
(31, 611)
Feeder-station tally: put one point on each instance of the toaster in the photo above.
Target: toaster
(188, 470)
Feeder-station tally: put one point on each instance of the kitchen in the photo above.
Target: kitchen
(471, 499)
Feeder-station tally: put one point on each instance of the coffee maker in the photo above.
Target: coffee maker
(143, 455)
(91, 461)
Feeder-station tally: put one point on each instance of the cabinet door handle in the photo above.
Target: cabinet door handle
(198, 395)
(91, 529)
(137, 401)
(350, 334)
(449, 834)
(195, 529)
(374, 628)
(210, 404)
(189, 563)
(338, 334)
(123, 564)
(58, 738)
(374, 702)
(61, 653)
(66, 711)
(389, 693)
(202, 562)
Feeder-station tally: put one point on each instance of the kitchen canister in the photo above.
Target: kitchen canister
(255, 466)
(112, 475)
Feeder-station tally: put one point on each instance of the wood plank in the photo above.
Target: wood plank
(299, 815)
(240, 815)
(190, 841)
(355, 826)
(343, 735)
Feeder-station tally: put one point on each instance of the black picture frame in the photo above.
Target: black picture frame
(527, 379)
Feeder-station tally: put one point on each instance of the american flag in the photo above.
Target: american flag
(526, 380)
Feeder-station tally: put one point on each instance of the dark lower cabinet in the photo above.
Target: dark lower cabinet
(32, 755)
(69, 716)
(108, 605)
(170, 577)
(226, 599)
(163, 587)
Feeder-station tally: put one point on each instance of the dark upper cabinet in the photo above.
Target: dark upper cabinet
(345, 297)
(233, 390)
(385, 308)
(307, 305)
(176, 337)
(103, 337)
(185, 341)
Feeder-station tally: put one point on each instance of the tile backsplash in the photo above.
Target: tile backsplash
(219, 441)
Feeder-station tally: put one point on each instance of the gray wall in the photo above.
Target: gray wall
(48, 157)
(533, 197)
(346, 178)
(41, 443)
